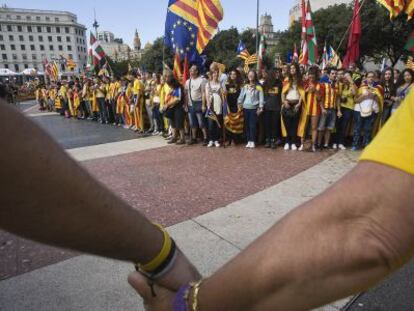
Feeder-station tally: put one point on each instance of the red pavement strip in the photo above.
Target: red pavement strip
(170, 185)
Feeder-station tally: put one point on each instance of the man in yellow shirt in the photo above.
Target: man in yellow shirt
(100, 93)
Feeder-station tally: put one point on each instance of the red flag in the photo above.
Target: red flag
(352, 53)
(295, 53)
(303, 35)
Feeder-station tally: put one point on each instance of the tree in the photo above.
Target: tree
(153, 57)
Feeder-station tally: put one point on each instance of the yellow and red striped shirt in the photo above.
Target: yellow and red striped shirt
(328, 94)
(312, 101)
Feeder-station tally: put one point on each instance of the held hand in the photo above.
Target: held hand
(185, 108)
(324, 111)
(297, 107)
(164, 297)
(259, 111)
(339, 114)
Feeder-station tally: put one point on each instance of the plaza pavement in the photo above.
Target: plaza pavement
(209, 238)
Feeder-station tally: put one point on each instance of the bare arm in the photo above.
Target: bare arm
(335, 245)
(48, 197)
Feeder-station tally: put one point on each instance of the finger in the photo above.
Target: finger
(140, 284)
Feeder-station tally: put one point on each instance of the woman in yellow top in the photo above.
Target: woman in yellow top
(51, 97)
(313, 105)
(76, 102)
(156, 101)
(137, 106)
(164, 89)
(293, 99)
(346, 105)
(39, 97)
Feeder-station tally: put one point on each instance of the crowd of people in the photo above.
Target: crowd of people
(334, 108)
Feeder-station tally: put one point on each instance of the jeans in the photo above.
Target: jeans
(103, 112)
(148, 107)
(362, 125)
(386, 114)
(250, 123)
(196, 115)
(342, 125)
(291, 125)
(271, 123)
(214, 132)
(156, 116)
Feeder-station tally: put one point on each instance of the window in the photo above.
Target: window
(31, 38)
(4, 56)
(18, 17)
(24, 56)
(29, 28)
(9, 28)
(51, 47)
(67, 29)
(42, 47)
(32, 47)
(59, 38)
(14, 56)
(6, 65)
(38, 18)
(67, 39)
(26, 66)
(34, 56)
(58, 29)
(0, 26)
(11, 38)
(50, 38)
(48, 29)
(2, 47)
(60, 47)
(21, 38)
(39, 28)
(47, 18)
(42, 56)
(23, 47)
(19, 28)
(56, 19)
(69, 48)
(40, 38)
(28, 17)
(8, 16)
(13, 47)
(16, 67)
(1, 38)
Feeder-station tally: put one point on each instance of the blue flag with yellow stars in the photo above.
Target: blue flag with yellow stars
(190, 25)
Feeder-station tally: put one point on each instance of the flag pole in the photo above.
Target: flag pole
(350, 25)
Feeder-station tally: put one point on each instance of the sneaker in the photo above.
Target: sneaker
(248, 144)
(341, 147)
(192, 142)
(252, 145)
(287, 147)
(326, 146)
(334, 146)
(210, 144)
(294, 147)
(180, 142)
(217, 144)
(273, 144)
(313, 148)
(301, 147)
(126, 127)
(172, 141)
(155, 133)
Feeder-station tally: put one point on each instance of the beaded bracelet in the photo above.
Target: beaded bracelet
(181, 298)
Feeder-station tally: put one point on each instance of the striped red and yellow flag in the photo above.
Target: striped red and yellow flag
(204, 14)
(55, 71)
(395, 7)
(177, 72)
(409, 9)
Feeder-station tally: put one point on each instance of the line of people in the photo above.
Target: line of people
(283, 106)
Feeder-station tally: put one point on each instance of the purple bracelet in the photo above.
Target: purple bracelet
(180, 301)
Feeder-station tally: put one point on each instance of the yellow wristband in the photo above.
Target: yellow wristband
(162, 255)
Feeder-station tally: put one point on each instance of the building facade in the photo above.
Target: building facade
(266, 29)
(296, 11)
(118, 51)
(29, 37)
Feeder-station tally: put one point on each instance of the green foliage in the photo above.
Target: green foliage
(152, 57)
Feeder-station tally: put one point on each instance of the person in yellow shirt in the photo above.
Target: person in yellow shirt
(165, 89)
(62, 93)
(39, 97)
(114, 86)
(51, 97)
(100, 93)
(138, 104)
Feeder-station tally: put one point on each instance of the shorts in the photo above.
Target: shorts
(196, 115)
(327, 120)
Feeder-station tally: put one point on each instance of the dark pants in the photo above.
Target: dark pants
(271, 123)
(386, 114)
(291, 124)
(214, 131)
(112, 112)
(157, 116)
(250, 123)
(342, 125)
(103, 112)
(176, 116)
(362, 125)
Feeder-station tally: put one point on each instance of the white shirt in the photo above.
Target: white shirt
(197, 85)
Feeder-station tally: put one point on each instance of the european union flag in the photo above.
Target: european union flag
(181, 35)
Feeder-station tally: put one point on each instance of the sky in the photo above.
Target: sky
(148, 16)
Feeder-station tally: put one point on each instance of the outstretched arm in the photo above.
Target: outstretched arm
(46, 196)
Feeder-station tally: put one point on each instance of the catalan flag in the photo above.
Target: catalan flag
(70, 64)
(233, 121)
(200, 17)
(177, 72)
(242, 51)
(395, 7)
(54, 69)
(409, 9)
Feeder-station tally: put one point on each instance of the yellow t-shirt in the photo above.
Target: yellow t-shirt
(138, 87)
(394, 144)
